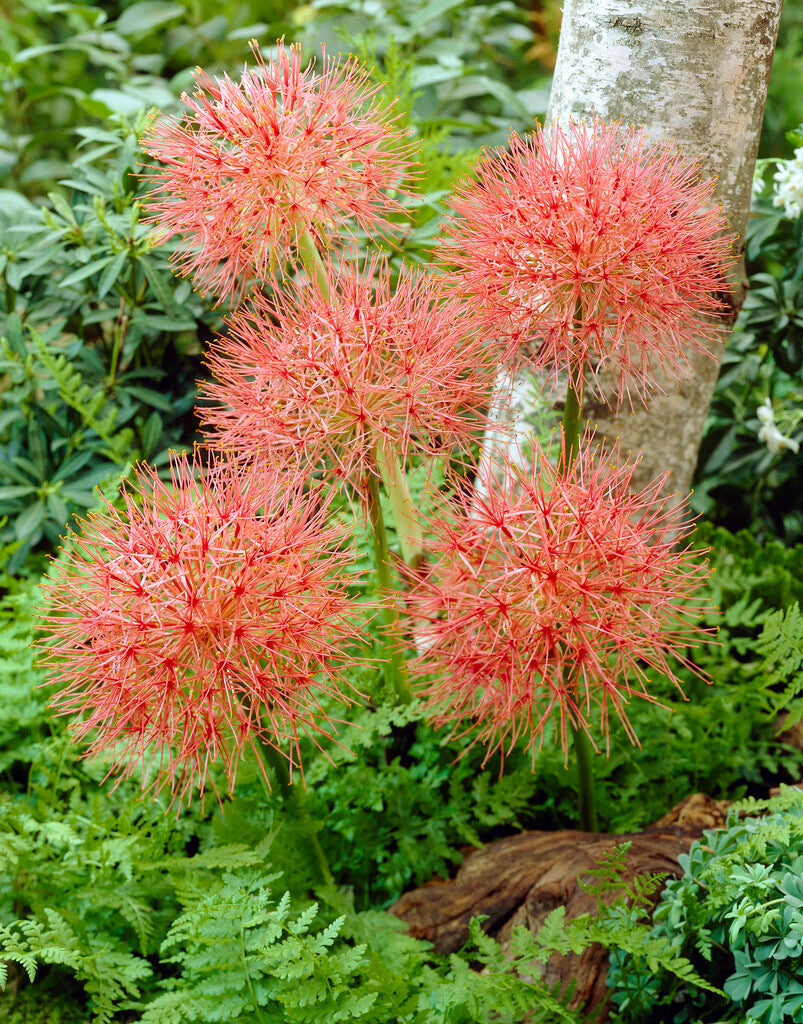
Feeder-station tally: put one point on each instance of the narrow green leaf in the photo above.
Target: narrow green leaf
(30, 520)
(111, 273)
(87, 271)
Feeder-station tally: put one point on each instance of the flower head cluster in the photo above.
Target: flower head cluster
(595, 249)
(551, 594)
(788, 185)
(325, 375)
(257, 164)
(206, 615)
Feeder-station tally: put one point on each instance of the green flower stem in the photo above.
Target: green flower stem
(407, 525)
(313, 264)
(572, 421)
(390, 611)
(119, 339)
(294, 798)
(400, 501)
(584, 752)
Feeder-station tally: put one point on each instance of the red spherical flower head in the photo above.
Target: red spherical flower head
(208, 616)
(325, 376)
(550, 594)
(594, 250)
(256, 164)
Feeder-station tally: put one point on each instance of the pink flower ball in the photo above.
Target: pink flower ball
(322, 377)
(254, 165)
(551, 592)
(208, 616)
(595, 252)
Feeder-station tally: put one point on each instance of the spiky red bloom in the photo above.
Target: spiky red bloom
(551, 593)
(597, 250)
(324, 378)
(205, 617)
(256, 163)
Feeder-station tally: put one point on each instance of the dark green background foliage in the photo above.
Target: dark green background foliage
(469, 75)
(102, 343)
(784, 108)
(739, 482)
(127, 910)
(67, 63)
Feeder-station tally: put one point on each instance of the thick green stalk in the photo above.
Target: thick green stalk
(584, 753)
(572, 421)
(407, 524)
(390, 611)
(294, 798)
(119, 339)
(315, 267)
(313, 264)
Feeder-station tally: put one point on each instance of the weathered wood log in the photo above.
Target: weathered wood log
(520, 879)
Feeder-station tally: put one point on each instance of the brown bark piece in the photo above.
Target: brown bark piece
(520, 879)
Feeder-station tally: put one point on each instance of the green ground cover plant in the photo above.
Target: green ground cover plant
(736, 912)
(123, 869)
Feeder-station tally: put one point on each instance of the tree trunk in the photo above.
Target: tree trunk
(695, 72)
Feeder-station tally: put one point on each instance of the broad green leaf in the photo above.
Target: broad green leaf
(15, 340)
(150, 397)
(30, 520)
(111, 273)
(15, 491)
(432, 10)
(87, 271)
(160, 287)
(118, 102)
(57, 509)
(147, 15)
(163, 323)
(80, 496)
(151, 434)
(72, 465)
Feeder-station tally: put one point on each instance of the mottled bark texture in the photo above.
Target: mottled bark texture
(694, 72)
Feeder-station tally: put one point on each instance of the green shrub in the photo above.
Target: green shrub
(737, 914)
(102, 343)
(469, 76)
(65, 64)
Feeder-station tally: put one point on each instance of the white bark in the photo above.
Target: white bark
(694, 72)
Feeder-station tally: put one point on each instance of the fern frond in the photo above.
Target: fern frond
(89, 404)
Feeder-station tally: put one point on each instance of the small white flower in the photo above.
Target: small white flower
(765, 413)
(769, 433)
(788, 187)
